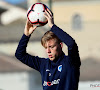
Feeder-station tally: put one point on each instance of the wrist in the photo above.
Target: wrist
(51, 25)
(27, 34)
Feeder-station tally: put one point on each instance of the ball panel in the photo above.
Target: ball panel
(33, 16)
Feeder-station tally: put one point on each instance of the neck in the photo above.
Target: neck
(58, 57)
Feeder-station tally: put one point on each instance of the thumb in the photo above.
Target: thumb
(33, 29)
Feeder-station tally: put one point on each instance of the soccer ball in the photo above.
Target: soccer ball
(35, 14)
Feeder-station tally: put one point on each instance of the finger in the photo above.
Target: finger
(26, 25)
(46, 16)
(30, 25)
(47, 13)
(50, 12)
(32, 29)
(26, 22)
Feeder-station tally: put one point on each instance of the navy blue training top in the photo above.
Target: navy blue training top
(61, 75)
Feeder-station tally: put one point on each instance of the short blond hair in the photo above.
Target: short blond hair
(48, 36)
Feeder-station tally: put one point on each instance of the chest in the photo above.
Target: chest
(52, 72)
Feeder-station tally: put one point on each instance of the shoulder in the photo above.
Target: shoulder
(42, 60)
(67, 60)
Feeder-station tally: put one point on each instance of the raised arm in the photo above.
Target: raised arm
(73, 52)
(21, 53)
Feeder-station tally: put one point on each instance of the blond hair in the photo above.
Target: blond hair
(48, 36)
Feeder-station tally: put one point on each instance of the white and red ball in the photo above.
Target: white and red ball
(35, 14)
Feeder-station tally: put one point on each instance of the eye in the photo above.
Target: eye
(43, 10)
(53, 46)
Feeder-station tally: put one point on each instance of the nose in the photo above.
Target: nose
(48, 50)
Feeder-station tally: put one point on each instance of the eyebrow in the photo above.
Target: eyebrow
(50, 46)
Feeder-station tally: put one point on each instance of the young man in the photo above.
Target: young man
(58, 71)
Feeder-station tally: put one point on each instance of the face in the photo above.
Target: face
(53, 49)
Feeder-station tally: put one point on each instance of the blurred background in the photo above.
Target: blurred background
(79, 18)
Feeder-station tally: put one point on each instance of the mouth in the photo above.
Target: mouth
(50, 56)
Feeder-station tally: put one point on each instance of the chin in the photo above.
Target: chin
(51, 59)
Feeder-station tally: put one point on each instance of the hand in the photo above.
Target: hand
(49, 16)
(29, 28)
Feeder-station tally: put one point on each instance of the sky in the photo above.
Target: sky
(14, 1)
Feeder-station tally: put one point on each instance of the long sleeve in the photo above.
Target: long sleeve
(24, 57)
(73, 52)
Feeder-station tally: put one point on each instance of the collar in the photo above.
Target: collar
(58, 60)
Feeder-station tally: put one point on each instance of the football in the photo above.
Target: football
(35, 14)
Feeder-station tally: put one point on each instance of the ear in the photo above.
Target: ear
(61, 44)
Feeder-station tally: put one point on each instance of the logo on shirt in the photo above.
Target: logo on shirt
(47, 70)
(51, 83)
(60, 68)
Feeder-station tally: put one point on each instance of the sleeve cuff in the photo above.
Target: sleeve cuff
(26, 36)
(53, 28)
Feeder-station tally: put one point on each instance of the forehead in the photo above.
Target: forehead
(50, 42)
